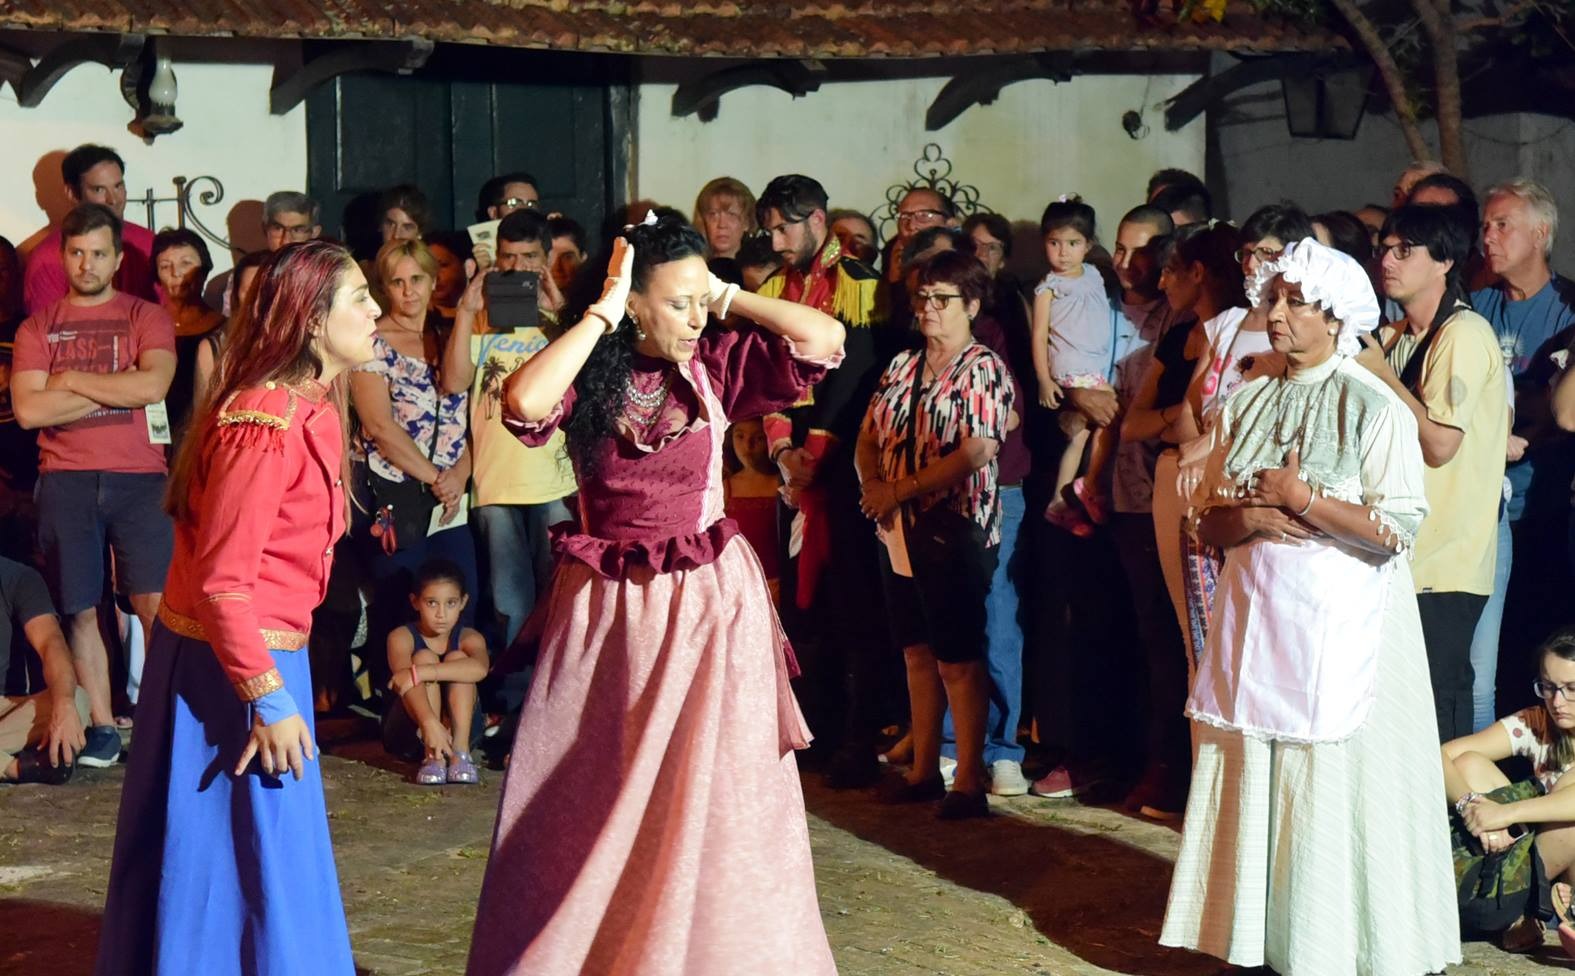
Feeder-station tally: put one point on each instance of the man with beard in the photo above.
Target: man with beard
(829, 588)
(90, 371)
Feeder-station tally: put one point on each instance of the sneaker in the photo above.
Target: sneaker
(1160, 795)
(1062, 783)
(948, 770)
(103, 747)
(432, 772)
(1007, 779)
(462, 770)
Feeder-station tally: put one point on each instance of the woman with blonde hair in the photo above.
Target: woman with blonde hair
(412, 460)
(725, 214)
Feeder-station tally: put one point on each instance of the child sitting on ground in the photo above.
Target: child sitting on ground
(1073, 348)
(436, 666)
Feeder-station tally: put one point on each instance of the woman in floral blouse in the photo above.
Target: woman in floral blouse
(410, 432)
(929, 477)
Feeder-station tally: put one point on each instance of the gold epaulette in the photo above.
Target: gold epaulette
(772, 286)
(854, 300)
(272, 406)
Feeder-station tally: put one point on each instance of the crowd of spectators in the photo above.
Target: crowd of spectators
(978, 532)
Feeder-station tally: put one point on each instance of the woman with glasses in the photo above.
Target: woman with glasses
(927, 461)
(1313, 842)
(1493, 810)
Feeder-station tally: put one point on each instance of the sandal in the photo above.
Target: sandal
(432, 772)
(1523, 935)
(1093, 503)
(1064, 516)
(462, 770)
(1562, 896)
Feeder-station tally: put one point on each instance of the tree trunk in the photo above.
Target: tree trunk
(1389, 71)
(1440, 26)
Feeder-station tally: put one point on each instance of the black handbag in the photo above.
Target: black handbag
(940, 541)
(403, 506)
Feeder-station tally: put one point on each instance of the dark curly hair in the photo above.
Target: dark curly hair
(601, 388)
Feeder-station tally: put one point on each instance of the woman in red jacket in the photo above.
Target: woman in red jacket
(223, 862)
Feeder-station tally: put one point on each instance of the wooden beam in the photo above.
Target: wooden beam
(1196, 98)
(703, 96)
(111, 50)
(983, 86)
(402, 56)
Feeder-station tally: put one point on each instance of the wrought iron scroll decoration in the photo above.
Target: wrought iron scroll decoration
(184, 210)
(934, 172)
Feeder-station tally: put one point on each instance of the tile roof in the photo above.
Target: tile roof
(694, 28)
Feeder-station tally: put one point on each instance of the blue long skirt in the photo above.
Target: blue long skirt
(213, 873)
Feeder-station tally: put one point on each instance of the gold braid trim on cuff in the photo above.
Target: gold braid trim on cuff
(178, 623)
(259, 685)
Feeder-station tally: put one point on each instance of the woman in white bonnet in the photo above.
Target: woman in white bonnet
(1314, 841)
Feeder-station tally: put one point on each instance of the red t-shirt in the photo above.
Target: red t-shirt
(105, 338)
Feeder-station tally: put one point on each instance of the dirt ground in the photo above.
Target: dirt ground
(1041, 889)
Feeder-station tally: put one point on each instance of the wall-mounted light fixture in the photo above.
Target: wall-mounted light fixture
(149, 86)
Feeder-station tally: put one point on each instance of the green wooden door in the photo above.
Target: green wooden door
(468, 115)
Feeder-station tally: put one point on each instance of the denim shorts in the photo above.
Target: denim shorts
(80, 513)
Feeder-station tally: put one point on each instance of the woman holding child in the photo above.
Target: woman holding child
(1314, 842)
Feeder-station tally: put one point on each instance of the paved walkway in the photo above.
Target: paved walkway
(1041, 889)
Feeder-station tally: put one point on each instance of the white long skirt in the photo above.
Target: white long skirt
(1325, 860)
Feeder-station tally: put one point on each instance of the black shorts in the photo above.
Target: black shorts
(948, 613)
(79, 512)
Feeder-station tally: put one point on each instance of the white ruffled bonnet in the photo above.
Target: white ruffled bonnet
(1331, 278)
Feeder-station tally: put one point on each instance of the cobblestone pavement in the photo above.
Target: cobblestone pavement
(1051, 888)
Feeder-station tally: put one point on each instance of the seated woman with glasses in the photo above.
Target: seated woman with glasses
(1545, 735)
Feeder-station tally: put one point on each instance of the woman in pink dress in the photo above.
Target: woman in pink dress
(651, 819)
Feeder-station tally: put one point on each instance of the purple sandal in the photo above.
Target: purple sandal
(431, 772)
(462, 770)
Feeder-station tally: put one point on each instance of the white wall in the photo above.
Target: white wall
(1262, 163)
(228, 134)
(1037, 141)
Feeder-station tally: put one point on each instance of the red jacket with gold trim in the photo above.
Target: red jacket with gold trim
(252, 559)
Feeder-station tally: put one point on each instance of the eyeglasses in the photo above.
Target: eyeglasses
(1261, 253)
(935, 300)
(914, 216)
(1401, 251)
(519, 203)
(1547, 690)
(295, 232)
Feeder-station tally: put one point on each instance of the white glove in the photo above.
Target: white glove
(615, 291)
(722, 293)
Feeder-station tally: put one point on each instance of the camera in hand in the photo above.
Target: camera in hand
(512, 299)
